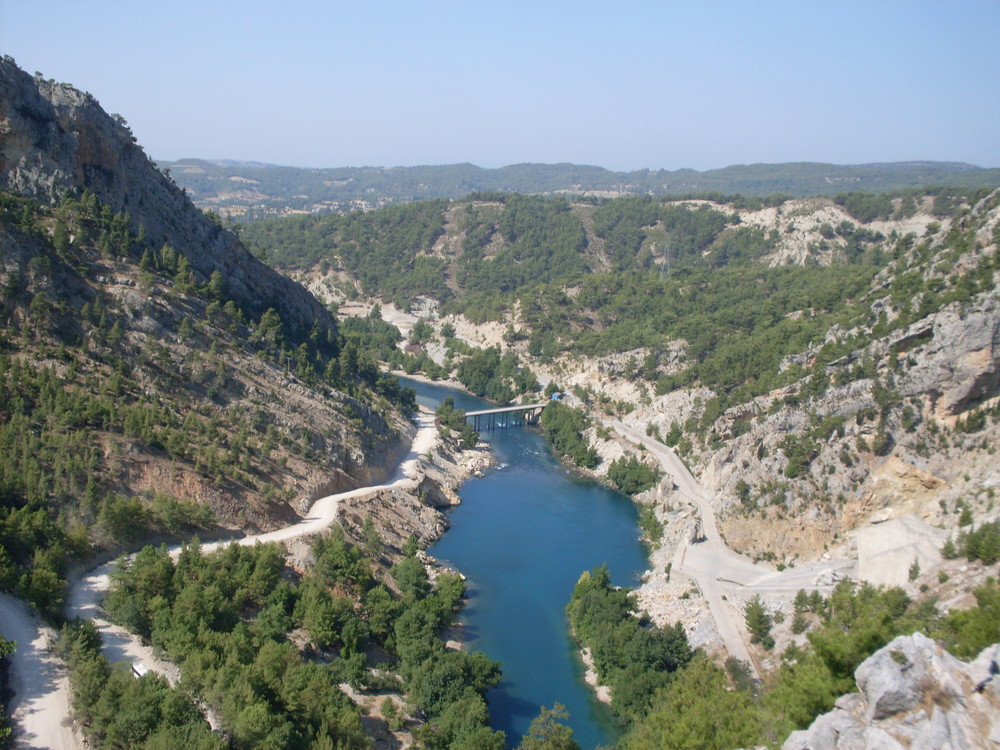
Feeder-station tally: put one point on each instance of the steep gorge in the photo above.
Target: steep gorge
(812, 409)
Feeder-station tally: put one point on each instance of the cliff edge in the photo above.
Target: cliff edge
(913, 694)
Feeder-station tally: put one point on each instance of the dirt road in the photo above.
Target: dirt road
(722, 575)
(120, 645)
(41, 706)
(708, 561)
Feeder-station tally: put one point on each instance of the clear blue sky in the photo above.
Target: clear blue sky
(623, 85)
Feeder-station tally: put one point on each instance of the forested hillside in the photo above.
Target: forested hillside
(597, 279)
(144, 387)
(138, 399)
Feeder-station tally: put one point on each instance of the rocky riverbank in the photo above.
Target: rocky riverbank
(436, 474)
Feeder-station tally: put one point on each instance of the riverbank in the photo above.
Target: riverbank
(437, 473)
(452, 383)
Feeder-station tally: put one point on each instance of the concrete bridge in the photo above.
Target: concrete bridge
(505, 416)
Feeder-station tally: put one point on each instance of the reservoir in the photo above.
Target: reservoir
(522, 536)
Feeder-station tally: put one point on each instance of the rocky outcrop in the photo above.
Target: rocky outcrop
(56, 140)
(959, 367)
(915, 695)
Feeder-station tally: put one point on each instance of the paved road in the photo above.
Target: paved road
(41, 707)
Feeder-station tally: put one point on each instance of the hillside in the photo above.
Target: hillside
(58, 141)
(155, 377)
(250, 191)
(829, 369)
(813, 359)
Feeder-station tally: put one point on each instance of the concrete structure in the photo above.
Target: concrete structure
(888, 549)
(505, 416)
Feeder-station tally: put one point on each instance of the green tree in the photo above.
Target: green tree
(697, 711)
(632, 476)
(548, 733)
(968, 632)
(391, 713)
(411, 576)
(757, 620)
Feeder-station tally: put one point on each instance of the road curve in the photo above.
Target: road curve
(41, 705)
(120, 645)
(709, 562)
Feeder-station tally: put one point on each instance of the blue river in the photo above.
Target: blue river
(522, 536)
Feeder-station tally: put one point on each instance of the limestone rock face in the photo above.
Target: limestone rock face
(913, 695)
(56, 140)
(959, 367)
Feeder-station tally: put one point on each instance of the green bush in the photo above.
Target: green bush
(563, 427)
(632, 476)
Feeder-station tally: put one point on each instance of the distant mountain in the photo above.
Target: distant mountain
(238, 163)
(251, 191)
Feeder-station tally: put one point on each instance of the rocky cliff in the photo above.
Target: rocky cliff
(56, 140)
(915, 695)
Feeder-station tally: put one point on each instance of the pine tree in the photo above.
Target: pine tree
(949, 551)
(547, 733)
(758, 621)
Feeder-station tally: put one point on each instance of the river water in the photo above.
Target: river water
(522, 536)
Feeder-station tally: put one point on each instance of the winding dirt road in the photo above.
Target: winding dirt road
(708, 561)
(41, 705)
(718, 571)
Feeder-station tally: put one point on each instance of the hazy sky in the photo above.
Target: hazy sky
(623, 85)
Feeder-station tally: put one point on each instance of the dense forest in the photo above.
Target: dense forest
(231, 620)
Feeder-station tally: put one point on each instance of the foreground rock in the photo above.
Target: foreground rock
(916, 695)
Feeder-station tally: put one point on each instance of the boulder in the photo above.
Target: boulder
(914, 695)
